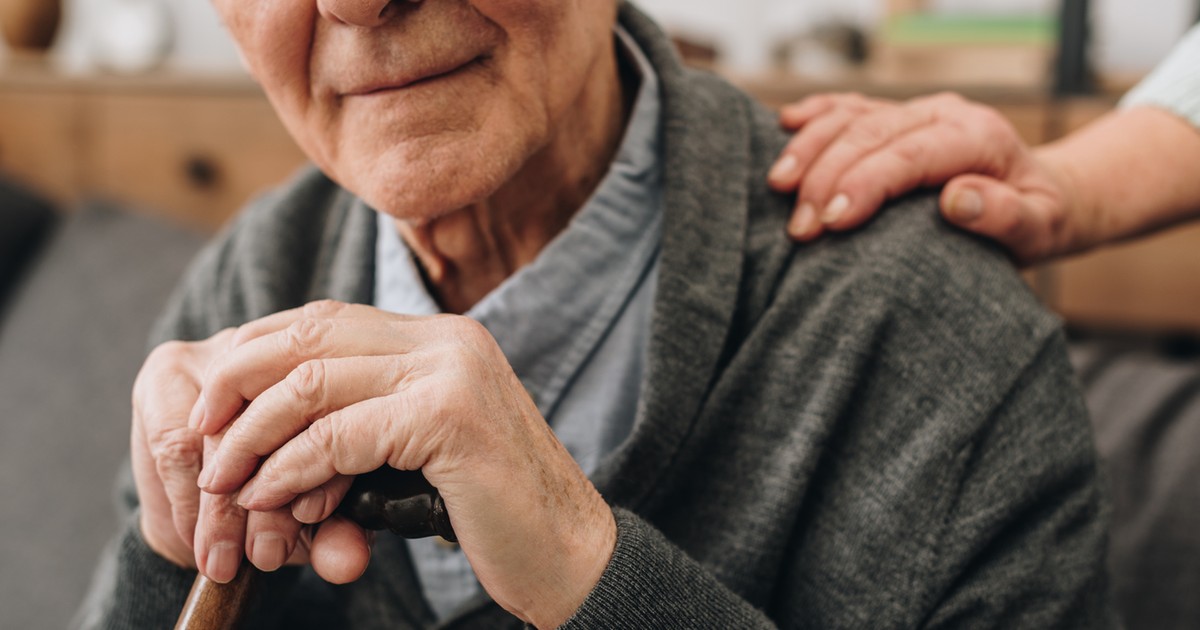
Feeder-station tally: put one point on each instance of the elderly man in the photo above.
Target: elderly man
(656, 412)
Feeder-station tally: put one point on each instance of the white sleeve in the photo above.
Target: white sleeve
(1174, 85)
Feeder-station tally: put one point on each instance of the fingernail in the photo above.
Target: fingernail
(785, 168)
(246, 496)
(310, 507)
(206, 475)
(197, 416)
(223, 559)
(835, 209)
(802, 222)
(967, 206)
(269, 551)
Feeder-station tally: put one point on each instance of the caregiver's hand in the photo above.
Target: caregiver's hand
(851, 154)
(354, 388)
(166, 458)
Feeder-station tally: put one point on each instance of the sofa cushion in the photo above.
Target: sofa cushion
(70, 346)
(1144, 397)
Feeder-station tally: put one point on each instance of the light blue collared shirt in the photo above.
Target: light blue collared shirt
(574, 324)
(1175, 84)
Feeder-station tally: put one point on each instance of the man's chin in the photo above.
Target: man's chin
(421, 201)
(424, 190)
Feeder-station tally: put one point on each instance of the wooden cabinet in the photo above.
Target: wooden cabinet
(39, 140)
(1152, 284)
(194, 159)
(193, 149)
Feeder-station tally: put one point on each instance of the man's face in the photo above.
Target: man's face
(420, 107)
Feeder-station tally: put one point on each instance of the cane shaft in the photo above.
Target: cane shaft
(214, 606)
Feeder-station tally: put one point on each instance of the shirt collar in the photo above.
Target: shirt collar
(549, 316)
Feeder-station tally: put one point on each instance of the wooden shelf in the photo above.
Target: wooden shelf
(190, 147)
(195, 148)
(44, 74)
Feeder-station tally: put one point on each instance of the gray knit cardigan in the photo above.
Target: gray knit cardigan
(877, 431)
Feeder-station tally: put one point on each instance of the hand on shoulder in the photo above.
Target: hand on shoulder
(851, 154)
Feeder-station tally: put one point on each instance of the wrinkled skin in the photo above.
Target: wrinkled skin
(429, 111)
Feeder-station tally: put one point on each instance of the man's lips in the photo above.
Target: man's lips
(399, 83)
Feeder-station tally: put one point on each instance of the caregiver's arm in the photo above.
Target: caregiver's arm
(1129, 173)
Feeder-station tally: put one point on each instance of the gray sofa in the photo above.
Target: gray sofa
(73, 339)
(1144, 397)
(71, 343)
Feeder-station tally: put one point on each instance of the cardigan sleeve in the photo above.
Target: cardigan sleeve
(651, 583)
(1024, 541)
(1021, 541)
(1175, 84)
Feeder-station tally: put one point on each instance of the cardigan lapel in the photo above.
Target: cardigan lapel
(346, 271)
(707, 155)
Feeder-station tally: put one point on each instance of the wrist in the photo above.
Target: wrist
(1126, 174)
(1080, 220)
(566, 592)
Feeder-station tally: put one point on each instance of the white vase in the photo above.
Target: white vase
(132, 36)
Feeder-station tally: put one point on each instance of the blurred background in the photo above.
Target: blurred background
(129, 133)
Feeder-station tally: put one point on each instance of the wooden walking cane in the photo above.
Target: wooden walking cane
(397, 500)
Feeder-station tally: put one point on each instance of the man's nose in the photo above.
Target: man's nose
(365, 13)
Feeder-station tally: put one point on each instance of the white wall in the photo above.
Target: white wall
(199, 39)
(1134, 35)
(1131, 35)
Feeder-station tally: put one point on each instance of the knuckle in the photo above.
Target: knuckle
(322, 435)
(306, 335)
(241, 336)
(224, 338)
(223, 509)
(948, 99)
(322, 308)
(323, 444)
(863, 181)
(170, 355)
(307, 382)
(996, 132)
(994, 125)
(184, 514)
(399, 378)
(986, 116)
(178, 449)
(867, 134)
(268, 473)
(909, 156)
(465, 330)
